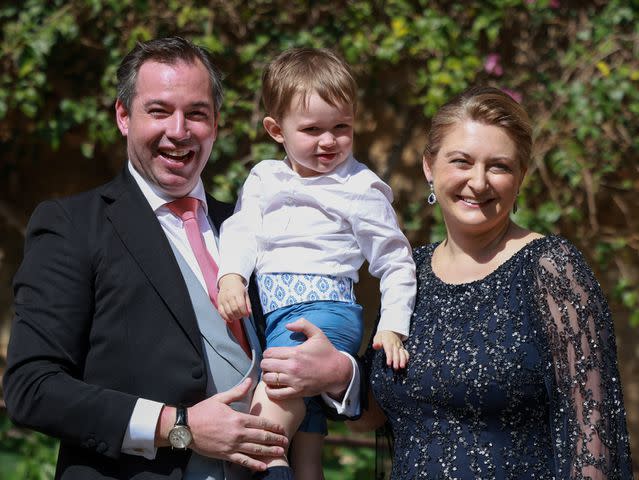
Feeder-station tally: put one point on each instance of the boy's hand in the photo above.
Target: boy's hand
(233, 300)
(396, 354)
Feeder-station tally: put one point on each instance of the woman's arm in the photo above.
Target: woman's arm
(587, 412)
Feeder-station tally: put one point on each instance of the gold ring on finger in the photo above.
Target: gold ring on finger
(277, 379)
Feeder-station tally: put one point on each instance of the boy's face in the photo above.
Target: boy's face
(317, 137)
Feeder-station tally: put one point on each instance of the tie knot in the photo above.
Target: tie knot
(185, 207)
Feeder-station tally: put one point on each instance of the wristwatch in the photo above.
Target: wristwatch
(180, 435)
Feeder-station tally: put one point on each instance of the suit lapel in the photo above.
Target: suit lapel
(218, 211)
(138, 228)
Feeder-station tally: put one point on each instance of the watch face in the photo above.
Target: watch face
(180, 436)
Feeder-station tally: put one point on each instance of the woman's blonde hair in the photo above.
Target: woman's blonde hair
(486, 105)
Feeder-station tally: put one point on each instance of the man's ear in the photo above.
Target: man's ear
(215, 125)
(273, 128)
(122, 117)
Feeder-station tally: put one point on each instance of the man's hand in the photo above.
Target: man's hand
(396, 354)
(309, 369)
(221, 432)
(233, 301)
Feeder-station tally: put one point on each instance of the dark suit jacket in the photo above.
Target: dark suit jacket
(102, 317)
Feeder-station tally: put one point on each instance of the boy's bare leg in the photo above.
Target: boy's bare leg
(306, 456)
(287, 413)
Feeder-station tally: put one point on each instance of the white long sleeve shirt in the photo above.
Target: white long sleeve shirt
(326, 224)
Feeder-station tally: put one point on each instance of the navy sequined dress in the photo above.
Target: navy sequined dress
(513, 376)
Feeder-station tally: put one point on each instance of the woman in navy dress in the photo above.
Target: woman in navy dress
(513, 371)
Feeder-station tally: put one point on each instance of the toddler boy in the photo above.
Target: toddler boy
(305, 225)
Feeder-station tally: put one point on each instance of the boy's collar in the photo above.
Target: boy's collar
(341, 173)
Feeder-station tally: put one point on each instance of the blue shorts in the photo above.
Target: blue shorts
(341, 322)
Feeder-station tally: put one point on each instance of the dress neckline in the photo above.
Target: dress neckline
(489, 275)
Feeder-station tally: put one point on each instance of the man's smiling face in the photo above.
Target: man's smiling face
(171, 126)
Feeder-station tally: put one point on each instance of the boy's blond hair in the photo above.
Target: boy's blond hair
(305, 71)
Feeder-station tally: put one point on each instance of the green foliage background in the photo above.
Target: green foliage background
(574, 64)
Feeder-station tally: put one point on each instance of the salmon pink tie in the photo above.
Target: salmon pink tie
(186, 208)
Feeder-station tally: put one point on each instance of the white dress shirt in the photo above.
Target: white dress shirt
(326, 224)
(139, 438)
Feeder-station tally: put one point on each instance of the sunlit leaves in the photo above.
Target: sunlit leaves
(575, 67)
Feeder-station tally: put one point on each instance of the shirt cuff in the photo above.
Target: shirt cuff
(227, 269)
(221, 273)
(389, 321)
(139, 438)
(350, 405)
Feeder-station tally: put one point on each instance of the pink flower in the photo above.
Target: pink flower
(516, 96)
(492, 64)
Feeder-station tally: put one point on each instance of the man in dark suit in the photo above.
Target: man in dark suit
(111, 336)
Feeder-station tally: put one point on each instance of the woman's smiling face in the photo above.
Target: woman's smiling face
(476, 176)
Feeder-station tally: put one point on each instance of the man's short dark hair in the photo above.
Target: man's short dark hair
(170, 50)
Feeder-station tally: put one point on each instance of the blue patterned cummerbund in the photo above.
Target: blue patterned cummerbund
(282, 289)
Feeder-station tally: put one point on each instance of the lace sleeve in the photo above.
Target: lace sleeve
(587, 413)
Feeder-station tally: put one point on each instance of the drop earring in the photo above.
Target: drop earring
(515, 204)
(432, 198)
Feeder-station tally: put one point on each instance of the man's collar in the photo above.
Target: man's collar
(157, 198)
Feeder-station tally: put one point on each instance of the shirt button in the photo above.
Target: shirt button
(197, 372)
